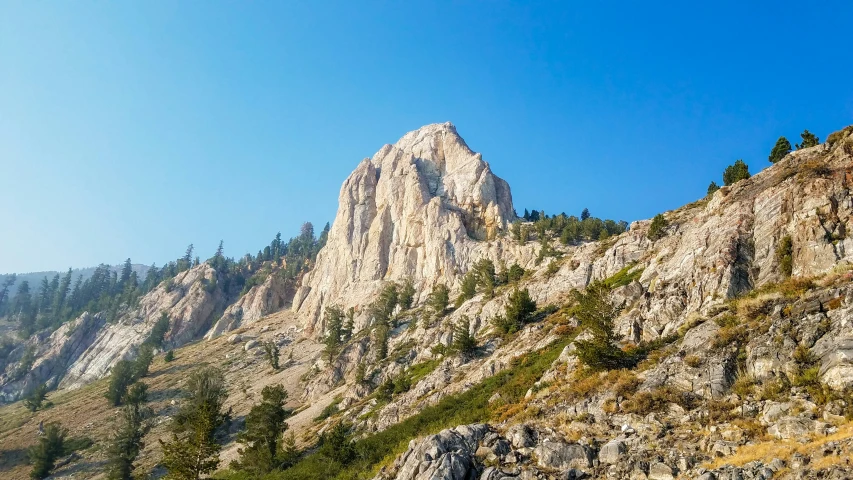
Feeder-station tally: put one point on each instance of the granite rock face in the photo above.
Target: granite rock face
(85, 349)
(260, 300)
(420, 209)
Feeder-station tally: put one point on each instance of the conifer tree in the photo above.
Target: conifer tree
(407, 295)
(50, 447)
(782, 148)
(262, 440)
(809, 140)
(36, 399)
(585, 214)
(735, 173)
(334, 319)
(438, 300)
(126, 442)
(271, 351)
(193, 451)
(657, 229)
(121, 377)
(463, 341)
(597, 314)
(713, 187)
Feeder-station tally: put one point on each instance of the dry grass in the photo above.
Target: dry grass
(766, 451)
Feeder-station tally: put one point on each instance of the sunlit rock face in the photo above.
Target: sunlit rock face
(421, 209)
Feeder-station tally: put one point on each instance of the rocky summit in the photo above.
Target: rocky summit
(431, 334)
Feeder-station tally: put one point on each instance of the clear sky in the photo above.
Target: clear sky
(131, 129)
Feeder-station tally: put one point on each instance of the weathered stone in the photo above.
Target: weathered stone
(612, 452)
(560, 455)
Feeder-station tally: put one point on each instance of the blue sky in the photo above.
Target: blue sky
(136, 128)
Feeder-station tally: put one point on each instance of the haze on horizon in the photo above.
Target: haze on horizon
(133, 130)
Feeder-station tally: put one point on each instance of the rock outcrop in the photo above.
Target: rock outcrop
(85, 349)
(260, 300)
(421, 209)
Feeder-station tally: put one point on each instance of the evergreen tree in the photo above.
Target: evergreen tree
(4, 292)
(469, 288)
(334, 320)
(463, 341)
(518, 310)
(126, 270)
(809, 140)
(126, 442)
(735, 173)
(262, 450)
(143, 361)
(36, 399)
(484, 272)
(349, 325)
(782, 148)
(585, 214)
(526, 216)
(596, 315)
(407, 295)
(158, 332)
(50, 447)
(193, 451)
(121, 376)
(438, 300)
(657, 229)
(271, 351)
(713, 187)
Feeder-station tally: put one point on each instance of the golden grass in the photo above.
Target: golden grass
(768, 450)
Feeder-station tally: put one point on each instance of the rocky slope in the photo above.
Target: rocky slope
(85, 349)
(747, 370)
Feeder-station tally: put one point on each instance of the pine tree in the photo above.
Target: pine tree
(518, 310)
(469, 288)
(735, 173)
(36, 399)
(121, 376)
(713, 187)
(262, 450)
(657, 229)
(126, 442)
(334, 320)
(126, 270)
(193, 450)
(143, 361)
(585, 214)
(596, 315)
(271, 351)
(809, 140)
(463, 341)
(158, 332)
(407, 295)
(782, 148)
(50, 447)
(438, 300)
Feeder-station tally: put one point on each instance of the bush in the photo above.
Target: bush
(784, 255)
(713, 187)
(438, 300)
(657, 229)
(50, 447)
(170, 355)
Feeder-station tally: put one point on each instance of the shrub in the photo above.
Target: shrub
(271, 351)
(515, 273)
(552, 268)
(784, 255)
(170, 355)
(693, 361)
(657, 229)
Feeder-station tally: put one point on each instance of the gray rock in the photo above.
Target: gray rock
(612, 452)
(661, 471)
(560, 455)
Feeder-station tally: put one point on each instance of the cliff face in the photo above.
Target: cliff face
(85, 349)
(419, 209)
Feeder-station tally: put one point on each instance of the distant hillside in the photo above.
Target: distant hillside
(35, 277)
